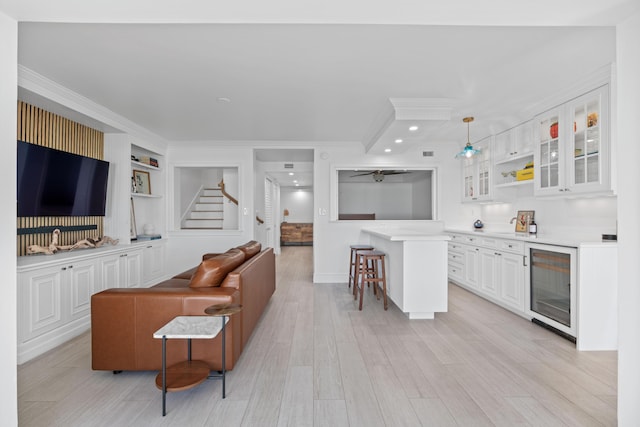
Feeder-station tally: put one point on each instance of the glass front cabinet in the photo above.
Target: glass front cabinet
(572, 153)
(476, 173)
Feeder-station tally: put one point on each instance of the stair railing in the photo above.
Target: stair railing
(227, 195)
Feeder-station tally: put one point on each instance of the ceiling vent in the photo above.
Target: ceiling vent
(427, 154)
(288, 165)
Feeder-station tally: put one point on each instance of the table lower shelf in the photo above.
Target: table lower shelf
(184, 375)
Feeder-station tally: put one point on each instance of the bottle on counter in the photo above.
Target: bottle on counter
(533, 228)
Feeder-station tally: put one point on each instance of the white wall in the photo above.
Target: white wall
(299, 202)
(628, 139)
(421, 198)
(388, 200)
(332, 238)
(185, 247)
(8, 302)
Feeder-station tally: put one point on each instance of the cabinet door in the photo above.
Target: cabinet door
(82, 284)
(484, 169)
(468, 180)
(110, 272)
(548, 156)
(523, 140)
(132, 270)
(511, 274)
(503, 147)
(588, 155)
(472, 266)
(40, 297)
(489, 260)
(153, 263)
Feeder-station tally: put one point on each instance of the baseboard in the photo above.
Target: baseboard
(330, 278)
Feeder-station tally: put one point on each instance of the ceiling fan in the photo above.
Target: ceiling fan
(378, 175)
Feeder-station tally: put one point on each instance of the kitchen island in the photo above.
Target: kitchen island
(416, 268)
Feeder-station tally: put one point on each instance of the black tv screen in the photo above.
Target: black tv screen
(56, 183)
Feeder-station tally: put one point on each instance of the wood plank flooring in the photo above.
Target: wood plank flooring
(315, 360)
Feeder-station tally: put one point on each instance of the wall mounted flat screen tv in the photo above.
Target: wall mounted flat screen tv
(56, 183)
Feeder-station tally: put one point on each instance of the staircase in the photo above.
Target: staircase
(207, 211)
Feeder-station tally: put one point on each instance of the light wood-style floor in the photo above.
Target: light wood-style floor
(315, 360)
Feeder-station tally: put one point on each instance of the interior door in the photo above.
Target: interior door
(268, 212)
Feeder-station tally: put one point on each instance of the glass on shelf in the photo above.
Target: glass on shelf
(544, 176)
(544, 154)
(593, 141)
(554, 175)
(554, 154)
(593, 169)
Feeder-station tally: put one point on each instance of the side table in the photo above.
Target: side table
(190, 373)
(223, 311)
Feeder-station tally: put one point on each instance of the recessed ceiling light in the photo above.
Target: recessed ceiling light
(413, 128)
(223, 99)
(290, 173)
(398, 141)
(295, 181)
(387, 150)
(297, 185)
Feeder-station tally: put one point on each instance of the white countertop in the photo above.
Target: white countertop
(574, 240)
(406, 233)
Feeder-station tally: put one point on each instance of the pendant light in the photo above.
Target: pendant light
(468, 149)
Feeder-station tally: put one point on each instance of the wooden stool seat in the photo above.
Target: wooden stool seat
(371, 269)
(353, 258)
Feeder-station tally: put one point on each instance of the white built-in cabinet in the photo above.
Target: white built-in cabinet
(569, 146)
(513, 150)
(477, 174)
(572, 152)
(491, 267)
(54, 292)
(122, 270)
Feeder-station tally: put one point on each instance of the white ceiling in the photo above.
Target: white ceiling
(313, 83)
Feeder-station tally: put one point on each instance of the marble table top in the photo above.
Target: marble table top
(199, 327)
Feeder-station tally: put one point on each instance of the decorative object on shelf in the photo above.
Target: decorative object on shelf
(523, 219)
(285, 214)
(149, 229)
(80, 244)
(553, 130)
(533, 228)
(468, 149)
(133, 234)
(142, 182)
(592, 119)
(478, 224)
(134, 186)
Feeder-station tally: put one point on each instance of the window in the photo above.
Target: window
(385, 194)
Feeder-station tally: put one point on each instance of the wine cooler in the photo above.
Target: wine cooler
(551, 287)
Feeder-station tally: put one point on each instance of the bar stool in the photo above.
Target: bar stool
(353, 258)
(371, 270)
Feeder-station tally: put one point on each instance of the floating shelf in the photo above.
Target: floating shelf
(149, 196)
(514, 183)
(144, 165)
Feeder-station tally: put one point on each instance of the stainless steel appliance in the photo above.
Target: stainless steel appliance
(551, 282)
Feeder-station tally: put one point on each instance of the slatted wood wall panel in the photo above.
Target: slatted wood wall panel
(41, 127)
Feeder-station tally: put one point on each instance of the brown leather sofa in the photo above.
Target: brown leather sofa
(123, 320)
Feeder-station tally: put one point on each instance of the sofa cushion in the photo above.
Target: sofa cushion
(211, 272)
(250, 248)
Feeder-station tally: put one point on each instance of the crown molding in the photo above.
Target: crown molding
(58, 94)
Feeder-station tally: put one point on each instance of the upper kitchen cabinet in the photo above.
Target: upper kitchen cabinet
(476, 173)
(572, 152)
(513, 152)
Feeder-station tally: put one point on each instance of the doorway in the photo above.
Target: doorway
(284, 195)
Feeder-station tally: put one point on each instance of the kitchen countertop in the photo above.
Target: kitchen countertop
(406, 233)
(575, 240)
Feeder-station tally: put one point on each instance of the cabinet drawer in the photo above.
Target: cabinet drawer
(455, 257)
(473, 240)
(455, 247)
(457, 238)
(489, 242)
(512, 246)
(455, 272)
